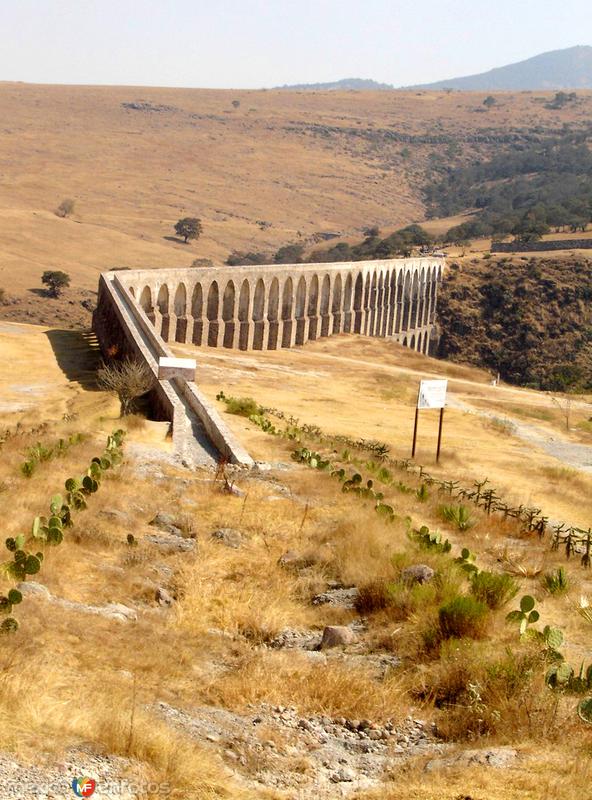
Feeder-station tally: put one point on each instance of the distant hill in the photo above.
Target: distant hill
(343, 85)
(559, 69)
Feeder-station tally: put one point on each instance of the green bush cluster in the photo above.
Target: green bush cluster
(241, 406)
(495, 589)
(463, 617)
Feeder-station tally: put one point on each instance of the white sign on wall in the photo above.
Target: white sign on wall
(432, 394)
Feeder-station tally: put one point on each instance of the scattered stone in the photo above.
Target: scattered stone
(228, 536)
(166, 523)
(143, 105)
(293, 639)
(417, 573)
(498, 757)
(33, 589)
(336, 636)
(353, 753)
(163, 598)
(171, 544)
(114, 611)
(231, 489)
(343, 775)
(114, 514)
(344, 598)
(292, 560)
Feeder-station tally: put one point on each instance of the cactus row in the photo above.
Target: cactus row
(560, 675)
(27, 550)
(574, 540)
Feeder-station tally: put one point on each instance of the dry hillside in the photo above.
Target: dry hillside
(280, 167)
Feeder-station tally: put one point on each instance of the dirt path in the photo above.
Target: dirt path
(572, 454)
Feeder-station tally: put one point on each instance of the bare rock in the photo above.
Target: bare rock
(232, 490)
(336, 636)
(114, 514)
(33, 589)
(114, 611)
(417, 573)
(163, 598)
(343, 598)
(171, 544)
(118, 612)
(166, 523)
(294, 639)
(228, 536)
(343, 775)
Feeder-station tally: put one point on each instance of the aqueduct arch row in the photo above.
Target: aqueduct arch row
(271, 307)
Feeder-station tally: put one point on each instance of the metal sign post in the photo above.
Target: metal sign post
(431, 394)
(415, 426)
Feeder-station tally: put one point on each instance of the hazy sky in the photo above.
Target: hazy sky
(255, 43)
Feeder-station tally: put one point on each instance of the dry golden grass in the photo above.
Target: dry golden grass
(372, 385)
(212, 648)
(560, 774)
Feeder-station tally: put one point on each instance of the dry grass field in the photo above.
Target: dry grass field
(282, 167)
(204, 696)
(207, 680)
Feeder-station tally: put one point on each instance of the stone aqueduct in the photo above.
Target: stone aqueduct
(260, 308)
(269, 307)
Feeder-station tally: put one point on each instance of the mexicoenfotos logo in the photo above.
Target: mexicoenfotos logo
(84, 787)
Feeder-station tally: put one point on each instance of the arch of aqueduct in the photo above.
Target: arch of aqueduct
(260, 308)
(272, 306)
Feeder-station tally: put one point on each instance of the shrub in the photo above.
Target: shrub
(556, 582)
(65, 208)
(463, 616)
(493, 589)
(374, 596)
(460, 516)
(2, 296)
(242, 406)
(128, 379)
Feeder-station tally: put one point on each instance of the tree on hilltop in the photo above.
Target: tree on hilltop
(188, 228)
(56, 281)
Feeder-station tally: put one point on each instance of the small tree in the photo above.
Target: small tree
(128, 379)
(65, 208)
(56, 281)
(489, 101)
(188, 228)
(235, 103)
(2, 296)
